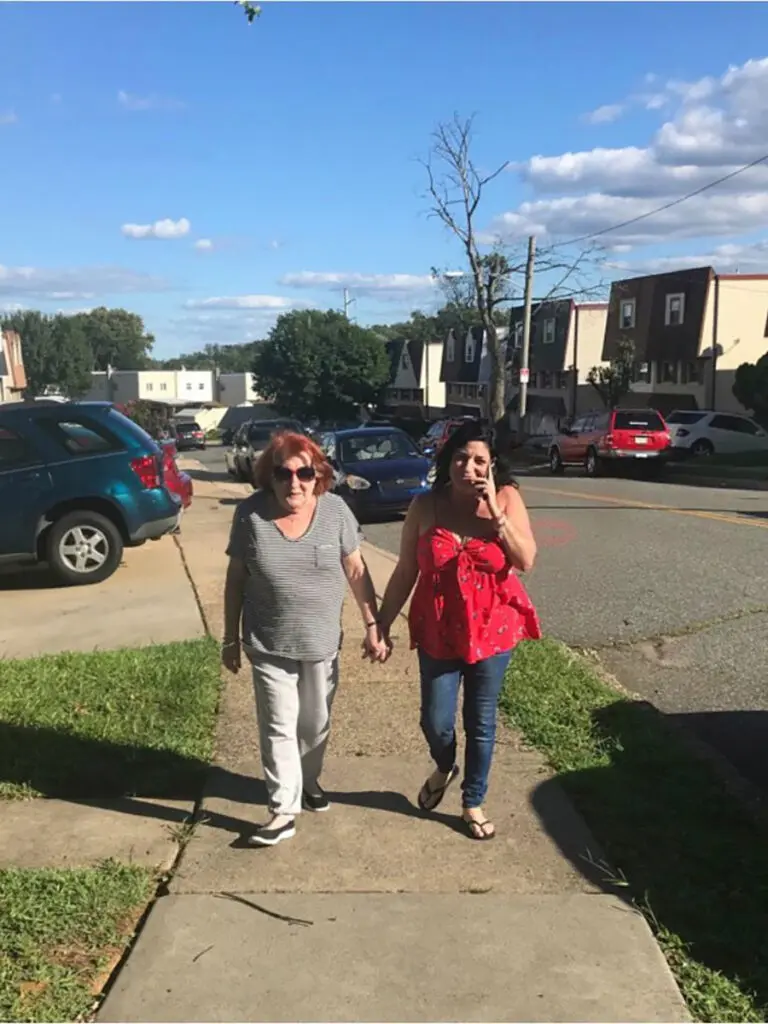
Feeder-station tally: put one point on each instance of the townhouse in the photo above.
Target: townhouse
(13, 378)
(691, 329)
(416, 389)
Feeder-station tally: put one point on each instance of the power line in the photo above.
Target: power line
(666, 206)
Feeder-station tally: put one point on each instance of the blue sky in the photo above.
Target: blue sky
(289, 148)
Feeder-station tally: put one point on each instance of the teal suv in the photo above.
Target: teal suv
(79, 482)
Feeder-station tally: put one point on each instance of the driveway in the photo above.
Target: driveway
(670, 585)
(148, 600)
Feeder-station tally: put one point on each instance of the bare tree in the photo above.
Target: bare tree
(455, 189)
(614, 381)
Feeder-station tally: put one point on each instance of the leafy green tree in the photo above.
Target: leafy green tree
(56, 353)
(750, 387)
(117, 338)
(226, 358)
(318, 364)
(614, 381)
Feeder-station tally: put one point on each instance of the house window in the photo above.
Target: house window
(163, 387)
(627, 314)
(549, 331)
(545, 379)
(642, 373)
(201, 387)
(562, 377)
(189, 387)
(674, 309)
(666, 373)
(469, 348)
(450, 348)
(404, 359)
(690, 373)
(150, 386)
(518, 336)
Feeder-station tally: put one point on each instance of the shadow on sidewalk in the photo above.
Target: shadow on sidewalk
(684, 847)
(135, 780)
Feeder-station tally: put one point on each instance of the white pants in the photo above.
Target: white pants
(293, 702)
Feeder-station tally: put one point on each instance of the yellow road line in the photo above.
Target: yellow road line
(722, 517)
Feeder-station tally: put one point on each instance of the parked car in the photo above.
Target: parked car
(704, 432)
(438, 434)
(78, 483)
(249, 441)
(188, 434)
(176, 480)
(630, 437)
(379, 470)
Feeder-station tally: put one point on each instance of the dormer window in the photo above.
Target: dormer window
(627, 314)
(674, 309)
(404, 360)
(450, 348)
(469, 348)
(549, 331)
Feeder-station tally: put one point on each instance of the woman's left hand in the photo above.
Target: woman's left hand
(375, 646)
(486, 489)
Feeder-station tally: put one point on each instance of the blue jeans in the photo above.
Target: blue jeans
(440, 681)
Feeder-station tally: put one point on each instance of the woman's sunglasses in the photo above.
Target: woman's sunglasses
(283, 475)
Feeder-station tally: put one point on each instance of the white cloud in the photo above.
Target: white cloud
(718, 125)
(8, 117)
(240, 302)
(75, 282)
(726, 259)
(605, 114)
(204, 244)
(165, 228)
(702, 217)
(391, 286)
(131, 101)
(224, 327)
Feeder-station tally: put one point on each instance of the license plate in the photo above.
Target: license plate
(641, 440)
(642, 455)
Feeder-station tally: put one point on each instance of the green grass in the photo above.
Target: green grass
(694, 860)
(61, 933)
(127, 722)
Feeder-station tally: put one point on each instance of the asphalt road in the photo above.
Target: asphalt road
(668, 583)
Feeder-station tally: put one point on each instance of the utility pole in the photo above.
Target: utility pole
(347, 302)
(525, 372)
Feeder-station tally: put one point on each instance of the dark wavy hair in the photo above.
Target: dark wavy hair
(472, 430)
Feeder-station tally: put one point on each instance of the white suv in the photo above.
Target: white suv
(704, 432)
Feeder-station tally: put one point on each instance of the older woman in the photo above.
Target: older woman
(464, 543)
(292, 549)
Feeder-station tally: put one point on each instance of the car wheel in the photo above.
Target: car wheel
(83, 547)
(556, 461)
(592, 463)
(702, 447)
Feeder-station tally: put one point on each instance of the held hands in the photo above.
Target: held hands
(376, 645)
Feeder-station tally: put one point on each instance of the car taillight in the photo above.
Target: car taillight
(147, 470)
(609, 441)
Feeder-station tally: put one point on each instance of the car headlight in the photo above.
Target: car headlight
(431, 474)
(356, 483)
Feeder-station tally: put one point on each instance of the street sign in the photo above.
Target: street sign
(525, 375)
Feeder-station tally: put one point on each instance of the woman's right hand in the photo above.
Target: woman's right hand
(231, 657)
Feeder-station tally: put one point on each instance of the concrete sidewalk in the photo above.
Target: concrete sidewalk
(375, 912)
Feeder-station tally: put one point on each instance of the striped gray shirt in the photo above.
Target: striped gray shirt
(295, 588)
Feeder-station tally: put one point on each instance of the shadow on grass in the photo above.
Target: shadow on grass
(695, 858)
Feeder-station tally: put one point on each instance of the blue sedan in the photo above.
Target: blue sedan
(379, 470)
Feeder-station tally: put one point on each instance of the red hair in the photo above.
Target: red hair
(287, 445)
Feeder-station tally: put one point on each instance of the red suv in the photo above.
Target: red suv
(633, 437)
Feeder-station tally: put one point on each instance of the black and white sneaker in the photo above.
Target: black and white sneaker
(316, 801)
(272, 836)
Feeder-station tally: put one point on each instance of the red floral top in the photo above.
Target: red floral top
(469, 603)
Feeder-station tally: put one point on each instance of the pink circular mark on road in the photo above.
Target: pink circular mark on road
(553, 533)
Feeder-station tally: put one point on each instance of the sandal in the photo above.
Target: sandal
(430, 799)
(479, 829)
